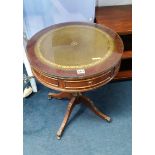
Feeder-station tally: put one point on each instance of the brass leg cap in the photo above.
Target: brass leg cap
(49, 97)
(58, 137)
(108, 119)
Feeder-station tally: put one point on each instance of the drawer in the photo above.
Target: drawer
(88, 83)
(48, 80)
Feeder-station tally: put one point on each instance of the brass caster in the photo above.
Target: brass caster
(58, 137)
(49, 97)
(108, 119)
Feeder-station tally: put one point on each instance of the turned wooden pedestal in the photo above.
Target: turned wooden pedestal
(75, 98)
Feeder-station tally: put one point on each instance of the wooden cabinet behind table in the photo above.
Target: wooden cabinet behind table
(119, 18)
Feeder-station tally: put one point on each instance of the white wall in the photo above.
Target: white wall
(112, 2)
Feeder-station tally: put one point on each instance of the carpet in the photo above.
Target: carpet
(86, 133)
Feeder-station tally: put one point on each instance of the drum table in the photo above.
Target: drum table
(73, 58)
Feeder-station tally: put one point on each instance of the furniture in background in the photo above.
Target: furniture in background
(119, 18)
(73, 58)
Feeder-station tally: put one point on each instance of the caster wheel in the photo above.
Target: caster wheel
(49, 96)
(58, 137)
(108, 119)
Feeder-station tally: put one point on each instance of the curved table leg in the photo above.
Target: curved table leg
(75, 98)
(71, 105)
(91, 106)
(60, 95)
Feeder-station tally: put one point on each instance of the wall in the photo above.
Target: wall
(39, 14)
(112, 2)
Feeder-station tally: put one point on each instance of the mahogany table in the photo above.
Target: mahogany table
(73, 58)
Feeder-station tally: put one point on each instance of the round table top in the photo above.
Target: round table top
(74, 50)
